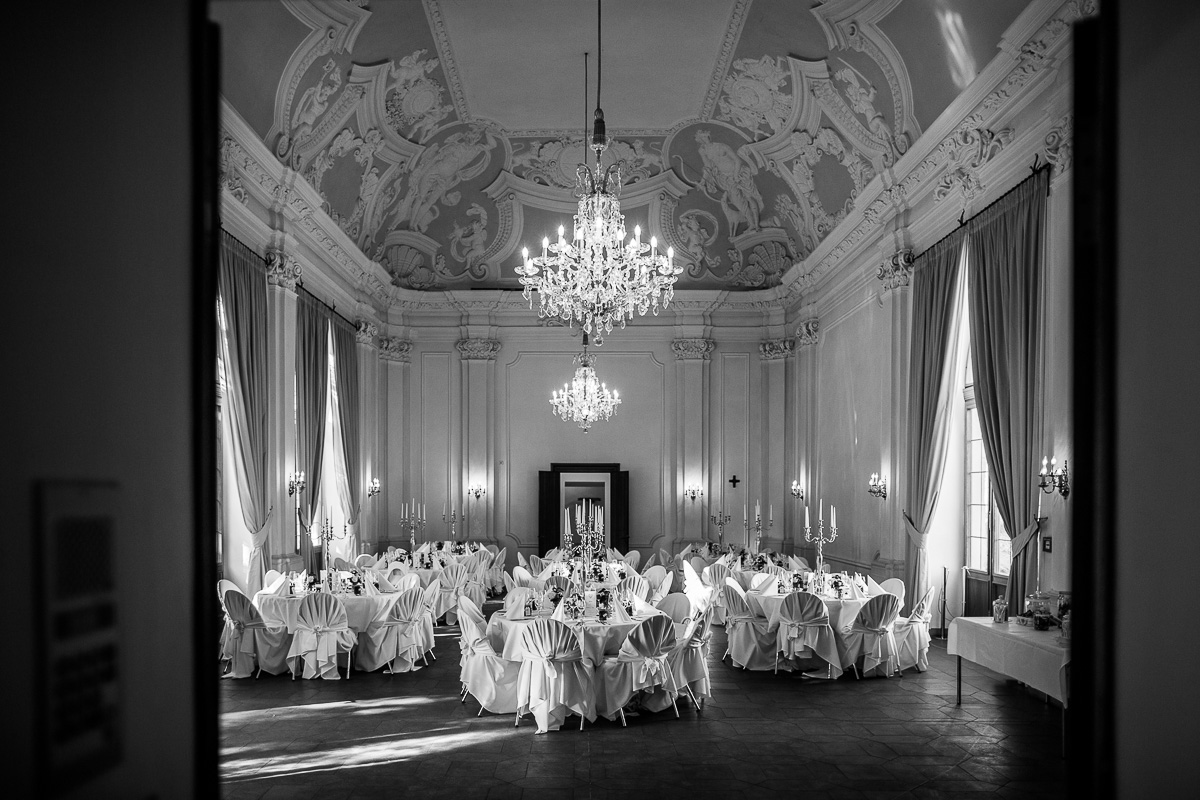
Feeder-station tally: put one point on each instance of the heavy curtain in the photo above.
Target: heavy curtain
(242, 291)
(345, 362)
(934, 369)
(312, 379)
(1004, 299)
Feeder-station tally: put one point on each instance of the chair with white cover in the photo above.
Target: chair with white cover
(714, 576)
(912, 634)
(521, 561)
(870, 637)
(271, 576)
(561, 581)
(429, 600)
(553, 679)
(474, 587)
(487, 677)
(751, 643)
(698, 564)
(406, 581)
(224, 585)
(495, 571)
(677, 607)
(698, 592)
(633, 558)
(654, 576)
(650, 562)
(518, 597)
(509, 583)
(536, 565)
(894, 586)
(396, 638)
(804, 632)
(689, 660)
(657, 593)
(322, 632)
(453, 582)
(636, 585)
(639, 669)
(342, 565)
(365, 560)
(523, 577)
(251, 641)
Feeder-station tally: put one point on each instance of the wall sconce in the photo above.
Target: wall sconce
(797, 492)
(877, 486)
(693, 491)
(295, 483)
(1051, 479)
(373, 488)
(477, 491)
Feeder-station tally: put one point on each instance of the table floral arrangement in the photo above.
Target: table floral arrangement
(439, 545)
(555, 595)
(712, 550)
(400, 556)
(621, 571)
(604, 604)
(837, 584)
(795, 582)
(627, 601)
(759, 562)
(575, 605)
(598, 571)
(425, 560)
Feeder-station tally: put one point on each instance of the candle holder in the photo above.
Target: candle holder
(453, 520)
(412, 521)
(1052, 479)
(373, 488)
(797, 492)
(877, 486)
(758, 531)
(327, 537)
(584, 543)
(693, 491)
(720, 520)
(821, 541)
(477, 491)
(296, 485)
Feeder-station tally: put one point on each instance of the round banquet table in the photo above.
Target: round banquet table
(841, 612)
(360, 609)
(596, 639)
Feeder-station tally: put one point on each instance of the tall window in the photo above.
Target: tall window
(988, 547)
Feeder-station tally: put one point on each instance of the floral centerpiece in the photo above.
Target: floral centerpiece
(425, 560)
(400, 556)
(759, 562)
(575, 605)
(604, 604)
(439, 545)
(555, 595)
(598, 571)
(531, 605)
(627, 601)
(837, 584)
(799, 582)
(458, 548)
(621, 571)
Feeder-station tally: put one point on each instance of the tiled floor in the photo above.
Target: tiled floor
(760, 735)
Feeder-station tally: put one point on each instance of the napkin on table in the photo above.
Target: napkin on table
(873, 588)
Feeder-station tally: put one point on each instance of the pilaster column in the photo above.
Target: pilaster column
(371, 516)
(808, 339)
(282, 273)
(896, 274)
(774, 355)
(395, 354)
(692, 392)
(478, 358)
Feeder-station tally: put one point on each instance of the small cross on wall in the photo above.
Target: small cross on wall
(734, 481)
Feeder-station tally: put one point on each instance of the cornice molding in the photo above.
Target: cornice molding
(395, 349)
(774, 349)
(478, 349)
(282, 270)
(897, 270)
(365, 332)
(808, 333)
(692, 349)
(1059, 148)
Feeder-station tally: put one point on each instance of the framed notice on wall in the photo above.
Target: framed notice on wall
(78, 700)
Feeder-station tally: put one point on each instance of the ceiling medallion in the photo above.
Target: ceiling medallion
(596, 279)
(586, 400)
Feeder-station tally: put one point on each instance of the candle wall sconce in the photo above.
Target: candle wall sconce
(797, 492)
(693, 491)
(877, 486)
(1052, 478)
(477, 491)
(373, 488)
(296, 483)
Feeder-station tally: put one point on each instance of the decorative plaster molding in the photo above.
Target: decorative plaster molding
(970, 149)
(897, 270)
(688, 349)
(395, 349)
(1059, 144)
(478, 349)
(773, 349)
(282, 270)
(733, 32)
(365, 331)
(809, 332)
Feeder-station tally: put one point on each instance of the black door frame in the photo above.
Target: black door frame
(550, 503)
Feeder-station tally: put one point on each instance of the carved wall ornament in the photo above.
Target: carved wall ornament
(478, 349)
(395, 349)
(808, 333)
(553, 163)
(440, 168)
(773, 349)
(696, 230)
(764, 266)
(897, 269)
(407, 266)
(728, 179)
(469, 244)
(690, 349)
(1059, 144)
(970, 149)
(413, 103)
(365, 331)
(282, 270)
(753, 98)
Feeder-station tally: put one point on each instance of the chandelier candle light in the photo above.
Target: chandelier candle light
(596, 279)
(586, 400)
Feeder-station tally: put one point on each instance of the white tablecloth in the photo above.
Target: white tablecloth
(596, 639)
(1032, 657)
(841, 612)
(360, 609)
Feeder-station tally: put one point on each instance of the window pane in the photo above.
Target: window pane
(1003, 554)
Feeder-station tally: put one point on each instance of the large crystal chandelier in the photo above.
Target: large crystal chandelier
(597, 279)
(586, 400)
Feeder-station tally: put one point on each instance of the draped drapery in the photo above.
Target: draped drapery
(935, 368)
(242, 291)
(1004, 299)
(345, 358)
(312, 385)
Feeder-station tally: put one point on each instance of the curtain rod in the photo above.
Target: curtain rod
(299, 283)
(962, 218)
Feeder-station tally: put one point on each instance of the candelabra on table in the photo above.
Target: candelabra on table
(590, 533)
(452, 519)
(821, 541)
(412, 520)
(758, 531)
(327, 537)
(719, 521)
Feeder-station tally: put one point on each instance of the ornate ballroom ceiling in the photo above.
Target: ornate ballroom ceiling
(443, 135)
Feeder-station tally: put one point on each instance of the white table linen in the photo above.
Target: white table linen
(1033, 657)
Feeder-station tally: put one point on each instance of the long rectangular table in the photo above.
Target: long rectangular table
(1032, 657)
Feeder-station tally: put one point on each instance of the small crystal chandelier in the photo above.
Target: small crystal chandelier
(597, 279)
(586, 400)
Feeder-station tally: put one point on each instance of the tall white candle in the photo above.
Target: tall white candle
(833, 516)
(806, 515)
(820, 511)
